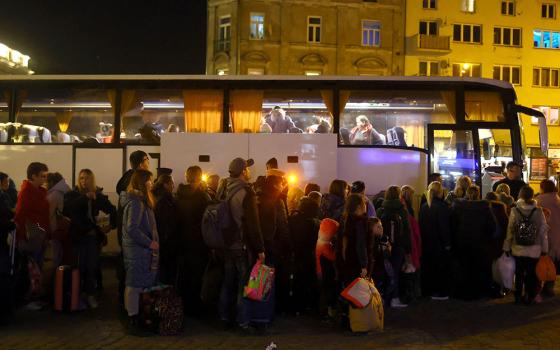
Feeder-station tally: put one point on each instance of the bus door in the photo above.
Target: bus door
(453, 152)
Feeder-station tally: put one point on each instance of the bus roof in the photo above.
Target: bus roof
(325, 78)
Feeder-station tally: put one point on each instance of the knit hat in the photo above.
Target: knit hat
(237, 166)
(328, 229)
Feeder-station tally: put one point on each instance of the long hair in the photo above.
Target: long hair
(407, 193)
(338, 188)
(159, 189)
(463, 183)
(138, 184)
(89, 173)
(503, 188)
(393, 192)
(473, 193)
(53, 179)
(435, 190)
(353, 202)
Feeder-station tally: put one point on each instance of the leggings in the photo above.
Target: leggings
(132, 300)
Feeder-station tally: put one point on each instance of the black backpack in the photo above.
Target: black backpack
(392, 225)
(525, 230)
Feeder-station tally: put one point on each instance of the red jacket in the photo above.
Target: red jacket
(32, 206)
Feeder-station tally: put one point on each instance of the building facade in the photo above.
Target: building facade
(13, 61)
(313, 37)
(513, 40)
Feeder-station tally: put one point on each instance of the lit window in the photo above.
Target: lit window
(313, 72)
(314, 29)
(546, 77)
(511, 74)
(467, 33)
(257, 26)
(224, 33)
(467, 6)
(371, 33)
(466, 70)
(548, 11)
(428, 28)
(429, 4)
(508, 8)
(428, 68)
(507, 36)
(546, 40)
(255, 71)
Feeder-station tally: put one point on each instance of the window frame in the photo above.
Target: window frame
(314, 27)
(552, 71)
(507, 4)
(541, 41)
(224, 28)
(545, 10)
(371, 32)
(429, 4)
(510, 68)
(511, 36)
(428, 22)
(465, 6)
(462, 33)
(429, 70)
(461, 67)
(257, 24)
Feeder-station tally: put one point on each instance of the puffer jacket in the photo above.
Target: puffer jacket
(541, 243)
(472, 224)
(332, 207)
(82, 211)
(55, 196)
(139, 230)
(191, 203)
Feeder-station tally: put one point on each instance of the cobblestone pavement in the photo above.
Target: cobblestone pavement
(494, 324)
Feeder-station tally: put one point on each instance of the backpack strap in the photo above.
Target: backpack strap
(532, 212)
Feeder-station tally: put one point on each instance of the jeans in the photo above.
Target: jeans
(525, 276)
(88, 253)
(236, 274)
(397, 260)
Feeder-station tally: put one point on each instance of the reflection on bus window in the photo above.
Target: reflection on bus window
(148, 114)
(63, 116)
(484, 106)
(495, 153)
(281, 111)
(453, 156)
(4, 118)
(396, 118)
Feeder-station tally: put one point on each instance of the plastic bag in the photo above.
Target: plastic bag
(546, 271)
(503, 271)
(369, 318)
(359, 292)
(260, 282)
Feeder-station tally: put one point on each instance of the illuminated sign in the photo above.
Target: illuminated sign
(14, 58)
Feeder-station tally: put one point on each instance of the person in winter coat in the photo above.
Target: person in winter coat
(304, 228)
(435, 225)
(407, 195)
(56, 189)
(360, 188)
(140, 242)
(501, 218)
(332, 203)
(192, 200)
(325, 260)
(514, 179)
(8, 191)
(503, 192)
(472, 227)
(396, 227)
(354, 258)
(167, 220)
(549, 199)
(526, 253)
(460, 191)
(82, 205)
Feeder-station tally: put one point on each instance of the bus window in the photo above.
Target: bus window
(484, 106)
(63, 116)
(147, 114)
(495, 153)
(453, 156)
(4, 118)
(281, 111)
(395, 117)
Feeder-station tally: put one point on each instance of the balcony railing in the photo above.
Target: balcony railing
(433, 42)
(222, 45)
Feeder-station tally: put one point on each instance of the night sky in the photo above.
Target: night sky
(107, 37)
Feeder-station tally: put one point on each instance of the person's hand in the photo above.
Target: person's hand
(154, 245)
(261, 257)
(363, 273)
(91, 195)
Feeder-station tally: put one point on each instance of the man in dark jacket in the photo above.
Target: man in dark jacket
(243, 246)
(512, 179)
(138, 160)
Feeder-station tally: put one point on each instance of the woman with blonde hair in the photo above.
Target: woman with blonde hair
(435, 225)
(503, 192)
(460, 191)
(82, 205)
(140, 242)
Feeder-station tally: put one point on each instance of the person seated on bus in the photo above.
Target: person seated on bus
(279, 121)
(364, 133)
(321, 126)
(513, 179)
(173, 128)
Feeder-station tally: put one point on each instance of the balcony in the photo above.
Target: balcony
(433, 42)
(222, 46)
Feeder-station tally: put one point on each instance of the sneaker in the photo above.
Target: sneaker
(396, 302)
(439, 297)
(34, 306)
(92, 302)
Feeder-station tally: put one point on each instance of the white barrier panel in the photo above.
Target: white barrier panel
(315, 155)
(380, 168)
(14, 160)
(179, 151)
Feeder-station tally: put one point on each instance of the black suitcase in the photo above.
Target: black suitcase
(261, 313)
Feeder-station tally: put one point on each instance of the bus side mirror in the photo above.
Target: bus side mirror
(543, 130)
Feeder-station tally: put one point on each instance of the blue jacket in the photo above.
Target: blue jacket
(139, 230)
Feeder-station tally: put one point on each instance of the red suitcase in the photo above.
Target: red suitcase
(67, 289)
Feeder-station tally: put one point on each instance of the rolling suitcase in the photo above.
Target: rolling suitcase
(261, 313)
(67, 289)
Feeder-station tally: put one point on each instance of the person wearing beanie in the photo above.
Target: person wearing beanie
(325, 258)
(359, 187)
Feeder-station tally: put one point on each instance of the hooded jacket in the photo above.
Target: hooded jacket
(551, 201)
(82, 211)
(33, 207)
(332, 207)
(139, 230)
(541, 243)
(55, 196)
(435, 226)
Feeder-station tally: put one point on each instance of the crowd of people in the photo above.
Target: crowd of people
(317, 242)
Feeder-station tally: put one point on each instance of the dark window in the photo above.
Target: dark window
(507, 36)
(477, 34)
(497, 36)
(456, 32)
(517, 37)
(467, 33)
(497, 71)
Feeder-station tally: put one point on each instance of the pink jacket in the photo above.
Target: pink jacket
(551, 201)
